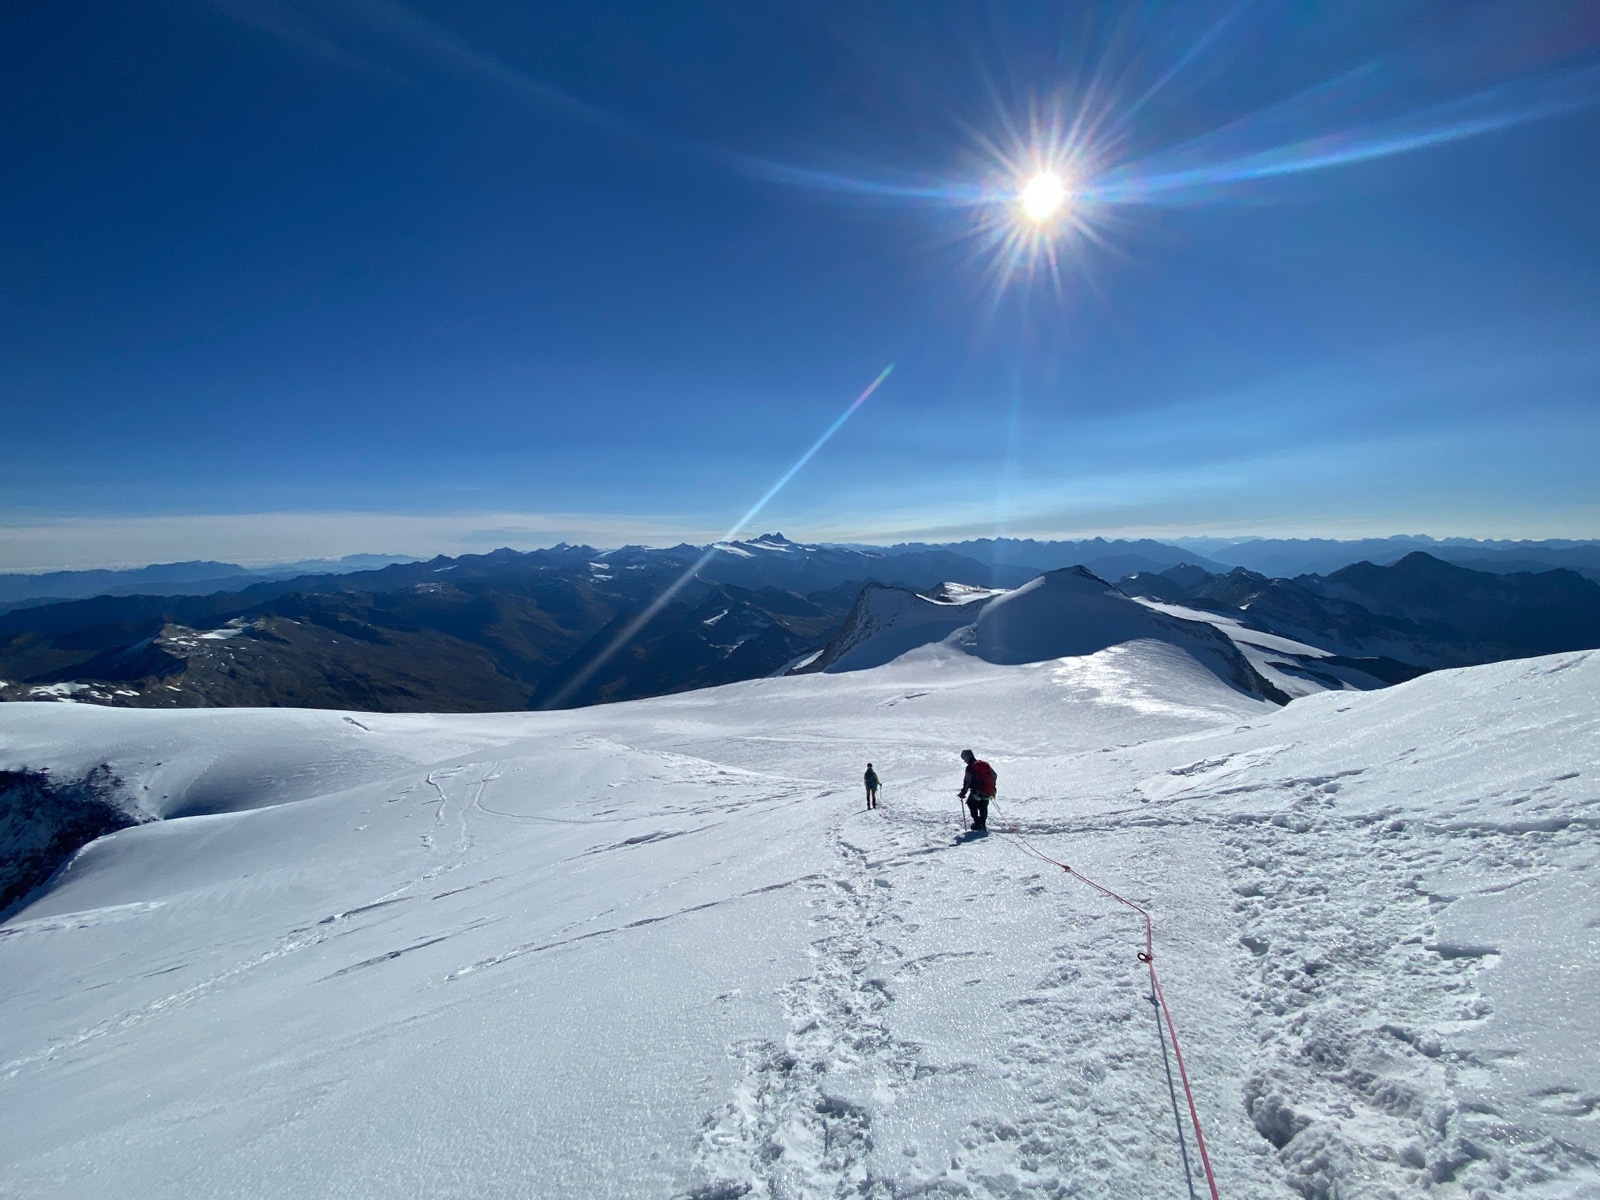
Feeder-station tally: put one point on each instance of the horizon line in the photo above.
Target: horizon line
(254, 564)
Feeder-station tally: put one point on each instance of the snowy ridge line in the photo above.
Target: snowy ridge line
(1148, 957)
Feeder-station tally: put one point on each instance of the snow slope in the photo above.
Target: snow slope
(657, 949)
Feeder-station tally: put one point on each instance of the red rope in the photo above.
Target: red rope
(1148, 957)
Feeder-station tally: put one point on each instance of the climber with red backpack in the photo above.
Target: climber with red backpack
(977, 789)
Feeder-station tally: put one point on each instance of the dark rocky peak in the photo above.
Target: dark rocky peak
(1079, 570)
(563, 553)
(1417, 567)
(1237, 588)
(1187, 575)
(1536, 612)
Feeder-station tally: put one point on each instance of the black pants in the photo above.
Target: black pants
(978, 806)
(872, 797)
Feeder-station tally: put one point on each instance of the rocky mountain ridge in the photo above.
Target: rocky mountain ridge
(1419, 611)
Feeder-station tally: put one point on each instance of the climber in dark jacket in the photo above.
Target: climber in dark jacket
(871, 778)
(977, 789)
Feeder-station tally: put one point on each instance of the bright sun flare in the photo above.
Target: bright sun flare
(1043, 196)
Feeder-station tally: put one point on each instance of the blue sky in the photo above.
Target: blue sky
(291, 278)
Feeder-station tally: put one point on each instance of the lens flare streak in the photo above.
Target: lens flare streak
(631, 630)
(1198, 169)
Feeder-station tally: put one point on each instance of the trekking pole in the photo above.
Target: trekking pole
(961, 807)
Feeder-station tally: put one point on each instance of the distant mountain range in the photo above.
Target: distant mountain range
(196, 578)
(504, 630)
(1011, 561)
(512, 630)
(1419, 611)
(1300, 556)
(1107, 559)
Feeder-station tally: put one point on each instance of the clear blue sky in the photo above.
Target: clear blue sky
(295, 278)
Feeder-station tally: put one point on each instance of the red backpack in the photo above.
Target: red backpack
(983, 778)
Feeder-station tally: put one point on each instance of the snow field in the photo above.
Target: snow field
(660, 949)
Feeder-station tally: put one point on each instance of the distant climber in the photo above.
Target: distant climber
(977, 789)
(871, 778)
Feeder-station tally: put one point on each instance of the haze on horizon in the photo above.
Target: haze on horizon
(317, 279)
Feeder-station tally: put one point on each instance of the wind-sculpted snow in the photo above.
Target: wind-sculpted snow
(659, 949)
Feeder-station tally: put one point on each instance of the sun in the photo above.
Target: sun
(1043, 197)
(1035, 208)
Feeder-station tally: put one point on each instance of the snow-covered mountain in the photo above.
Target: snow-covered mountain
(1067, 613)
(658, 949)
